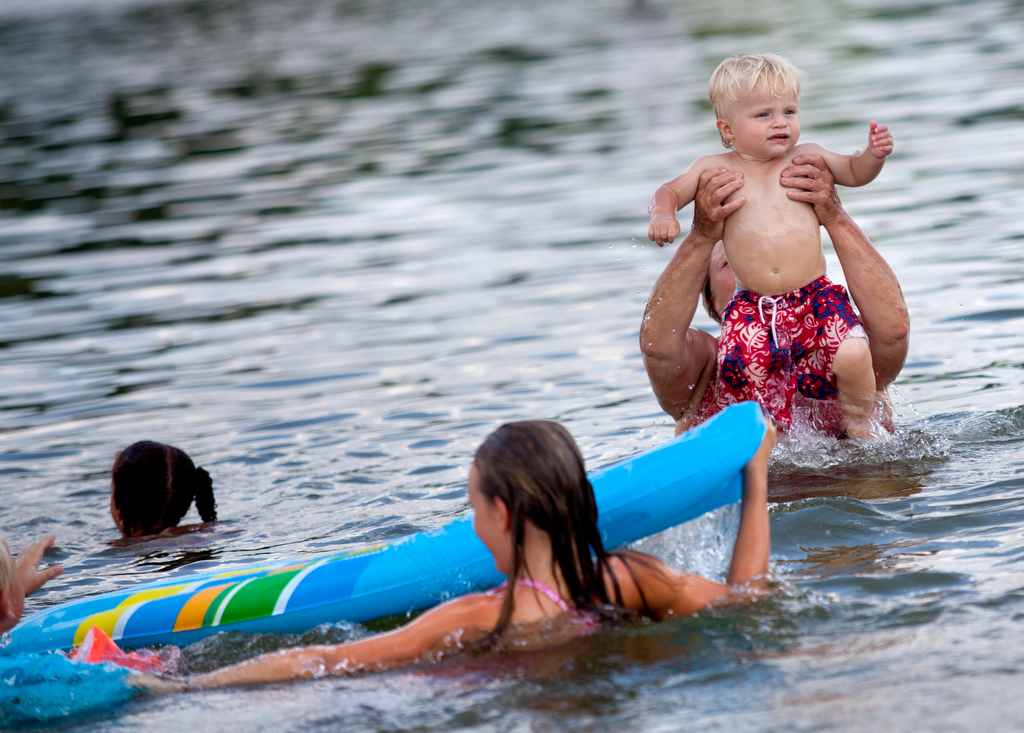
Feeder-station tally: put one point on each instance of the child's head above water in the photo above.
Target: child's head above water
(12, 593)
(152, 485)
(6, 564)
(535, 470)
(768, 74)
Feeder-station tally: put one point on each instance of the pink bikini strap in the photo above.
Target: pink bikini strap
(588, 621)
(540, 587)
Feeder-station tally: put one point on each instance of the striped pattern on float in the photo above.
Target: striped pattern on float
(673, 483)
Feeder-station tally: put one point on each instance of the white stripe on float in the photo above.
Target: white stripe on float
(286, 594)
(227, 600)
(122, 620)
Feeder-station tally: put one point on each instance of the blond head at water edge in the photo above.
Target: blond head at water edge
(768, 74)
(6, 563)
(12, 593)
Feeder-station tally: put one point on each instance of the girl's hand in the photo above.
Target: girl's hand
(879, 140)
(155, 685)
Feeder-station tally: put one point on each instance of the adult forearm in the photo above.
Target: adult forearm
(674, 298)
(673, 354)
(878, 296)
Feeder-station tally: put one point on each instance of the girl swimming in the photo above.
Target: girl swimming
(535, 512)
(152, 485)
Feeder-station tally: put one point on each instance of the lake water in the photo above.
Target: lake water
(326, 247)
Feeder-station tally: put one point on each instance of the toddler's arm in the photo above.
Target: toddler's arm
(671, 197)
(863, 166)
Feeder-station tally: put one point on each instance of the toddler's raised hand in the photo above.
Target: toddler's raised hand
(879, 140)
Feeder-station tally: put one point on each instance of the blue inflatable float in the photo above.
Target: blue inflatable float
(679, 480)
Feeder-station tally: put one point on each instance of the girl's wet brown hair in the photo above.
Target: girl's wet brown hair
(536, 469)
(154, 485)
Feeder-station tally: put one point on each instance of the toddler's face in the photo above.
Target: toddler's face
(762, 126)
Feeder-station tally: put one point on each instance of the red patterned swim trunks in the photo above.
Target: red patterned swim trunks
(772, 348)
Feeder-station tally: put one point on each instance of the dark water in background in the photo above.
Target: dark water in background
(325, 247)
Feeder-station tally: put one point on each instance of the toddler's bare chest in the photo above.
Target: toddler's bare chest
(768, 208)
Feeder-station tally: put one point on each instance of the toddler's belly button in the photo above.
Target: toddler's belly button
(775, 271)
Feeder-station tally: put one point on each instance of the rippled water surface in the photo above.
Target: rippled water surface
(326, 247)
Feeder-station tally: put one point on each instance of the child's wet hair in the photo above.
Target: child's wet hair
(153, 486)
(769, 72)
(536, 469)
(6, 565)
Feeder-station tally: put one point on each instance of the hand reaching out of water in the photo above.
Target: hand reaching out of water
(27, 562)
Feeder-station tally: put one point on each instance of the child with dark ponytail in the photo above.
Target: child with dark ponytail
(152, 485)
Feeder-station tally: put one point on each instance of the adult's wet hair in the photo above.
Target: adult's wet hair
(708, 298)
(536, 469)
(154, 485)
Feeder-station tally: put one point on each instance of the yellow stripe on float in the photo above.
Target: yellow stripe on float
(107, 620)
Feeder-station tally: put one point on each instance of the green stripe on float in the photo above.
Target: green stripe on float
(211, 612)
(256, 598)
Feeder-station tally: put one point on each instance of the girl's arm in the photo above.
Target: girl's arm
(669, 592)
(863, 166)
(442, 627)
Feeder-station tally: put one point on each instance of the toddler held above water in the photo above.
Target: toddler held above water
(788, 328)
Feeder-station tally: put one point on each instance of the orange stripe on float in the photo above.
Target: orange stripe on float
(192, 613)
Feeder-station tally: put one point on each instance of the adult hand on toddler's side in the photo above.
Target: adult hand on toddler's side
(709, 212)
(27, 562)
(812, 182)
(879, 140)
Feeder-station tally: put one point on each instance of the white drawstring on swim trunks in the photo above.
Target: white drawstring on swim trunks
(774, 302)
